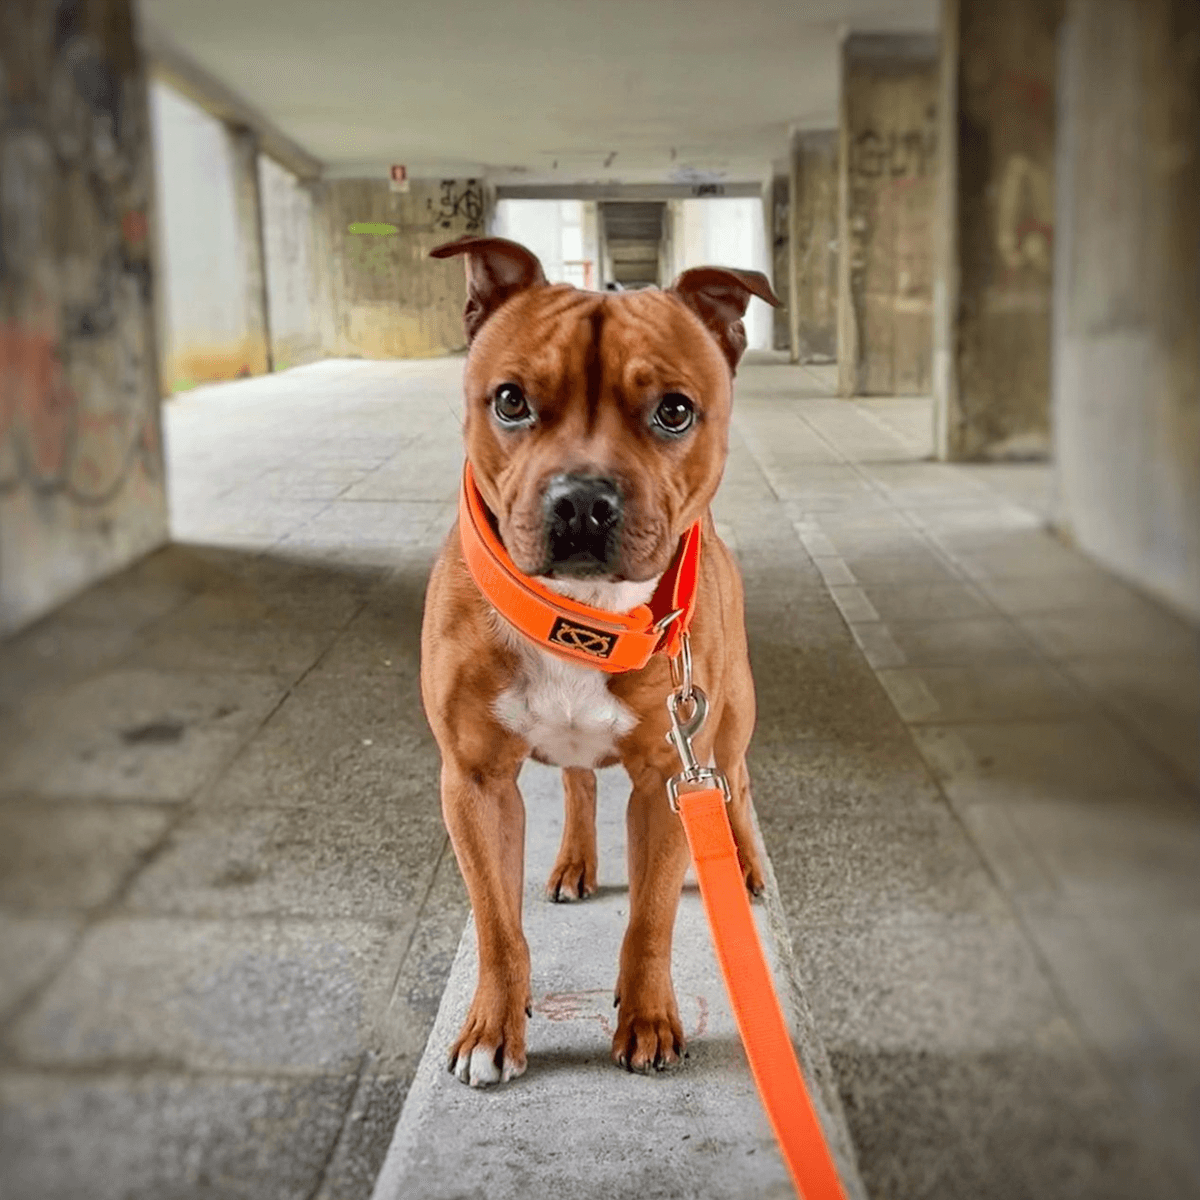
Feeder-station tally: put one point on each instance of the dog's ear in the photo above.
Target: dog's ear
(496, 270)
(719, 296)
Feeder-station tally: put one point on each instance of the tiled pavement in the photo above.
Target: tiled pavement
(227, 906)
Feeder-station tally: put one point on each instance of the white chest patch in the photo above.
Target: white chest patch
(564, 710)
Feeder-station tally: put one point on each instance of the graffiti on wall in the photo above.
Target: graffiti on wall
(458, 201)
(78, 394)
(76, 412)
(894, 154)
(1025, 216)
(54, 445)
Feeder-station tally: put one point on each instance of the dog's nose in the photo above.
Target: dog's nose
(583, 514)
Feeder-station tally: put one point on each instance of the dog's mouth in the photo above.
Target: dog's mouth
(612, 593)
(582, 564)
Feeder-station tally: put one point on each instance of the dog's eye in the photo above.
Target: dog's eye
(510, 404)
(674, 413)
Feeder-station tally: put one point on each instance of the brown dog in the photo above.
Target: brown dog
(596, 429)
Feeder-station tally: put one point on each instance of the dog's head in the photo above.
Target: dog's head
(597, 423)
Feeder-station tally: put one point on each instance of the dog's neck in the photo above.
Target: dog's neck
(621, 596)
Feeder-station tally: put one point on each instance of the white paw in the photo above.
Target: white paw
(479, 1068)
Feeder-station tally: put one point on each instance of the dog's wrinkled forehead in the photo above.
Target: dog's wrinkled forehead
(562, 344)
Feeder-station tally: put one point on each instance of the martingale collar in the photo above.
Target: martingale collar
(612, 642)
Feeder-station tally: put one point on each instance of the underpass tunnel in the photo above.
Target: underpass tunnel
(962, 490)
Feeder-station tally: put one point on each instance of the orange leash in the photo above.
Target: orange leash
(752, 994)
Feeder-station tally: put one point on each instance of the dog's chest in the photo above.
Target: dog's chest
(565, 712)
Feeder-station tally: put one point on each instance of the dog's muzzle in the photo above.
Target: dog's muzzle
(583, 522)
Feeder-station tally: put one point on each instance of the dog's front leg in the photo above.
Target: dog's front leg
(649, 1032)
(485, 816)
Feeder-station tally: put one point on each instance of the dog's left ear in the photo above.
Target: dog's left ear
(496, 270)
(719, 296)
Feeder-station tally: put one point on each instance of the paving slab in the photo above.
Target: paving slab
(32, 947)
(337, 736)
(367, 857)
(134, 734)
(72, 857)
(240, 995)
(156, 1136)
(574, 1122)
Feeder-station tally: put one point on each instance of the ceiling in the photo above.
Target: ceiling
(536, 91)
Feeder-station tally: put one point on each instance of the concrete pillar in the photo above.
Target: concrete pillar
(781, 260)
(885, 214)
(212, 264)
(995, 228)
(81, 465)
(387, 297)
(1126, 394)
(813, 220)
(248, 203)
(292, 266)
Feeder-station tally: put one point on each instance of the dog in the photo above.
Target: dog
(596, 430)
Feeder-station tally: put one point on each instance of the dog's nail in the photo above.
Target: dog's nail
(529, 1010)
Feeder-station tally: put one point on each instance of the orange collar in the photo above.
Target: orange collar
(612, 642)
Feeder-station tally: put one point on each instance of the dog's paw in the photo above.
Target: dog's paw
(573, 878)
(491, 1046)
(649, 1035)
(751, 864)
(752, 873)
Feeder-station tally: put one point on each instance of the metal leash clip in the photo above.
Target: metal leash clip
(688, 696)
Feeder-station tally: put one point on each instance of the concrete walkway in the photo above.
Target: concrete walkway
(573, 1123)
(228, 912)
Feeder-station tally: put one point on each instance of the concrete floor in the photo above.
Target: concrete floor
(228, 910)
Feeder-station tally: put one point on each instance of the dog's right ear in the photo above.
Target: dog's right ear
(497, 269)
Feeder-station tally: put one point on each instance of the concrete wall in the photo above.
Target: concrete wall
(1127, 290)
(729, 232)
(213, 324)
(996, 228)
(296, 280)
(81, 466)
(386, 297)
(885, 225)
(813, 299)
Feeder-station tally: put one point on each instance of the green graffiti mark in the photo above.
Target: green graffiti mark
(373, 228)
(375, 257)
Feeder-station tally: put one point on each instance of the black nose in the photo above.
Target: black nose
(583, 517)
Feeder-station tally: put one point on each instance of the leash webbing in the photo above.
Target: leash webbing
(752, 994)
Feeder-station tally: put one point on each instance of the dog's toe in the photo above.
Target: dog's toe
(571, 881)
(648, 1042)
(484, 1066)
(491, 1046)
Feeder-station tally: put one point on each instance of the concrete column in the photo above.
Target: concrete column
(210, 231)
(885, 214)
(81, 465)
(995, 228)
(1126, 403)
(813, 221)
(293, 277)
(248, 203)
(781, 260)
